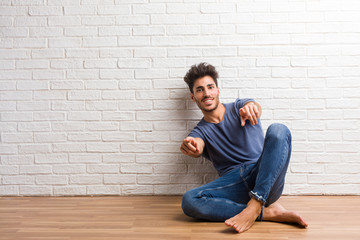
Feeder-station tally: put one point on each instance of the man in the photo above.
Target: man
(252, 168)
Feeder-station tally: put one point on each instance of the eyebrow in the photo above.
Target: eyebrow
(211, 84)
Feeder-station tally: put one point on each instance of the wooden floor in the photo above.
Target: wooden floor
(161, 217)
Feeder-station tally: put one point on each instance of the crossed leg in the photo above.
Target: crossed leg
(270, 177)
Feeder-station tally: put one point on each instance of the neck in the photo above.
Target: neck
(215, 116)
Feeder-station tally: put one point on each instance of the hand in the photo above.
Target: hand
(190, 147)
(250, 112)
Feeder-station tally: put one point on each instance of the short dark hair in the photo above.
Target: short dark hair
(199, 71)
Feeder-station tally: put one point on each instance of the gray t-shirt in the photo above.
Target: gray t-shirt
(228, 144)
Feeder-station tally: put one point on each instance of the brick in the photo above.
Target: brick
(183, 30)
(51, 158)
(18, 160)
(86, 137)
(69, 190)
(114, 31)
(132, 20)
(218, 8)
(118, 95)
(184, 52)
(170, 126)
(168, 63)
(236, 18)
(80, 32)
(152, 137)
(36, 190)
(167, 19)
(135, 126)
(17, 138)
(167, 168)
(134, 63)
(23, 180)
(8, 106)
(64, 21)
(9, 170)
(138, 190)
(80, 10)
(102, 126)
(68, 126)
(14, 32)
(30, 21)
(103, 168)
(118, 137)
(136, 147)
(149, 52)
(151, 73)
(45, 10)
(116, 74)
(34, 127)
(103, 147)
(5, 64)
(84, 158)
(84, 116)
(117, 116)
(84, 95)
(47, 53)
(69, 105)
(148, 31)
(98, 21)
(43, 169)
(118, 158)
(119, 179)
(113, 10)
(103, 190)
(159, 158)
(101, 106)
(68, 147)
(223, 29)
(170, 189)
(16, 116)
(48, 75)
(69, 169)
(52, 180)
(100, 42)
(16, 96)
(135, 168)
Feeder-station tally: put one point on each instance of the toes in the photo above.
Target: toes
(229, 222)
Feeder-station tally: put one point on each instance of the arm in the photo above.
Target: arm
(250, 111)
(193, 147)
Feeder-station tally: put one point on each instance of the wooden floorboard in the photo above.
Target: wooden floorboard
(161, 217)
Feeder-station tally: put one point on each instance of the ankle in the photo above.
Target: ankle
(255, 205)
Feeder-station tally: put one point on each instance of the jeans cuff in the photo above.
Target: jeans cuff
(257, 197)
(260, 217)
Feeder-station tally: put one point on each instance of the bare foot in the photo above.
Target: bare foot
(244, 220)
(277, 213)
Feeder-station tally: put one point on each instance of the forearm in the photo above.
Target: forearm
(259, 108)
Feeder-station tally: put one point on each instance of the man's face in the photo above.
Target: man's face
(206, 94)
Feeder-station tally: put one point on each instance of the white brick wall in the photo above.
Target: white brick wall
(93, 101)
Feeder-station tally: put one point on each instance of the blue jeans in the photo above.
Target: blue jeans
(264, 180)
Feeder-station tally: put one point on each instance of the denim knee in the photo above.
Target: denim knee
(188, 204)
(279, 131)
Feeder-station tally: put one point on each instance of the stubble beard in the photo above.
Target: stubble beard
(198, 102)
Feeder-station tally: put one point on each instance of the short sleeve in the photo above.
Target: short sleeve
(196, 133)
(240, 102)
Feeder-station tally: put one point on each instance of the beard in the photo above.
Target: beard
(199, 102)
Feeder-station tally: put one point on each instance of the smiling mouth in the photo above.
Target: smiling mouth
(207, 100)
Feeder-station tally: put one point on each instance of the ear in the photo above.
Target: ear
(192, 97)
